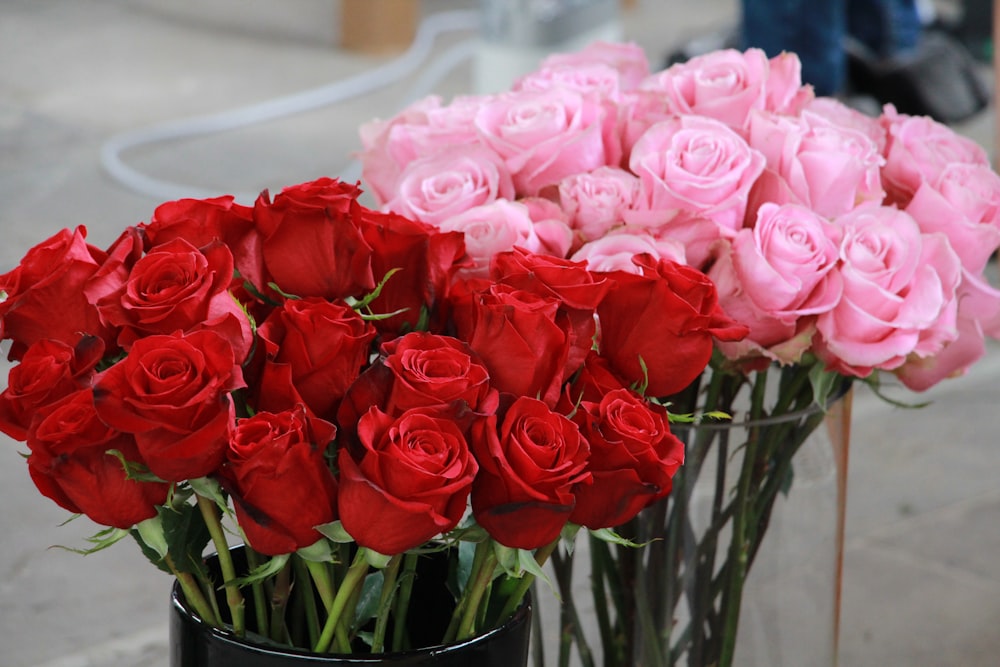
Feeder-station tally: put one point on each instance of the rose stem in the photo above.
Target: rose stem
(389, 574)
(279, 601)
(403, 601)
(259, 606)
(308, 601)
(484, 576)
(234, 598)
(193, 594)
(525, 582)
(739, 547)
(457, 615)
(355, 575)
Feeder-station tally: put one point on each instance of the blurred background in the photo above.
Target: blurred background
(109, 107)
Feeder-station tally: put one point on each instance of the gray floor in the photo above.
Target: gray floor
(922, 585)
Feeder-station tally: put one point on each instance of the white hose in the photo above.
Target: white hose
(355, 86)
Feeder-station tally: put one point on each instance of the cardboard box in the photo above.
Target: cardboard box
(378, 26)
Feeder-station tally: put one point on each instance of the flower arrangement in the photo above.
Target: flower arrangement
(343, 390)
(852, 247)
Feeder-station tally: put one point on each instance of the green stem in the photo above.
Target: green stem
(352, 580)
(193, 595)
(389, 577)
(572, 628)
(302, 574)
(403, 601)
(234, 598)
(739, 546)
(524, 583)
(279, 602)
(477, 589)
(259, 599)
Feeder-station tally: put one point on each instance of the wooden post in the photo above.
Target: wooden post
(378, 26)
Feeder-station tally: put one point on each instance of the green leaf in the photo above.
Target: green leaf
(368, 602)
(264, 571)
(206, 487)
(568, 536)
(317, 552)
(187, 536)
(376, 560)
(100, 541)
(134, 471)
(823, 382)
(786, 483)
(151, 532)
(611, 537)
(359, 304)
(335, 531)
(277, 289)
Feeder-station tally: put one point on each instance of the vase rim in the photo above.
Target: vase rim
(278, 650)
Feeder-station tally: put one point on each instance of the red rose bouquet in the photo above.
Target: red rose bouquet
(344, 391)
(851, 247)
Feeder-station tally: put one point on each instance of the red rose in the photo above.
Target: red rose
(426, 259)
(665, 318)
(311, 244)
(517, 334)
(71, 464)
(172, 392)
(409, 482)
(177, 287)
(422, 370)
(282, 486)
(45, 293)
(49, 370)
(577, 290)
(633, 458)
(314, 350)
(204, 221)
(529, 467)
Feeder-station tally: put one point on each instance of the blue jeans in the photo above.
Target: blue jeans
(816, 30)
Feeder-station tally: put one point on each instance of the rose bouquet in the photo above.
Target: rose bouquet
(344, 391)
(851, 247)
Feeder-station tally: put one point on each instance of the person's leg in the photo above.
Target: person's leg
(813, 29)
(886, 28)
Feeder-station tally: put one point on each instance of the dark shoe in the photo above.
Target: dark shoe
(939, 80)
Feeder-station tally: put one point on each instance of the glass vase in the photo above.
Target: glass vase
(739, 565)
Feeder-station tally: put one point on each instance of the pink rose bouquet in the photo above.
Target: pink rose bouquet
(851, 247)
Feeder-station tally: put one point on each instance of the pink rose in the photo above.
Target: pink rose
(964, 205)
(450, 181)
(595, 201)
(775, 276)
(919, 149)
(490, 229)
(614, 252)
(899, 293)
(978, 316)
(691, 166)
(827, 167)
(422, 128)
(839, 113)
(597, 79)
(626, 58)
(547, 135)
(551, 227)
(726, 85)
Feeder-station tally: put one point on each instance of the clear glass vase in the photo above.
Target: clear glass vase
(740, 565)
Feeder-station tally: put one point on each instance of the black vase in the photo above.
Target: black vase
(194, 643)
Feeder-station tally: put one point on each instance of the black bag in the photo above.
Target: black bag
(940, 79)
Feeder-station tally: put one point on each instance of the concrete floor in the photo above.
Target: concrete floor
(922, 579)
